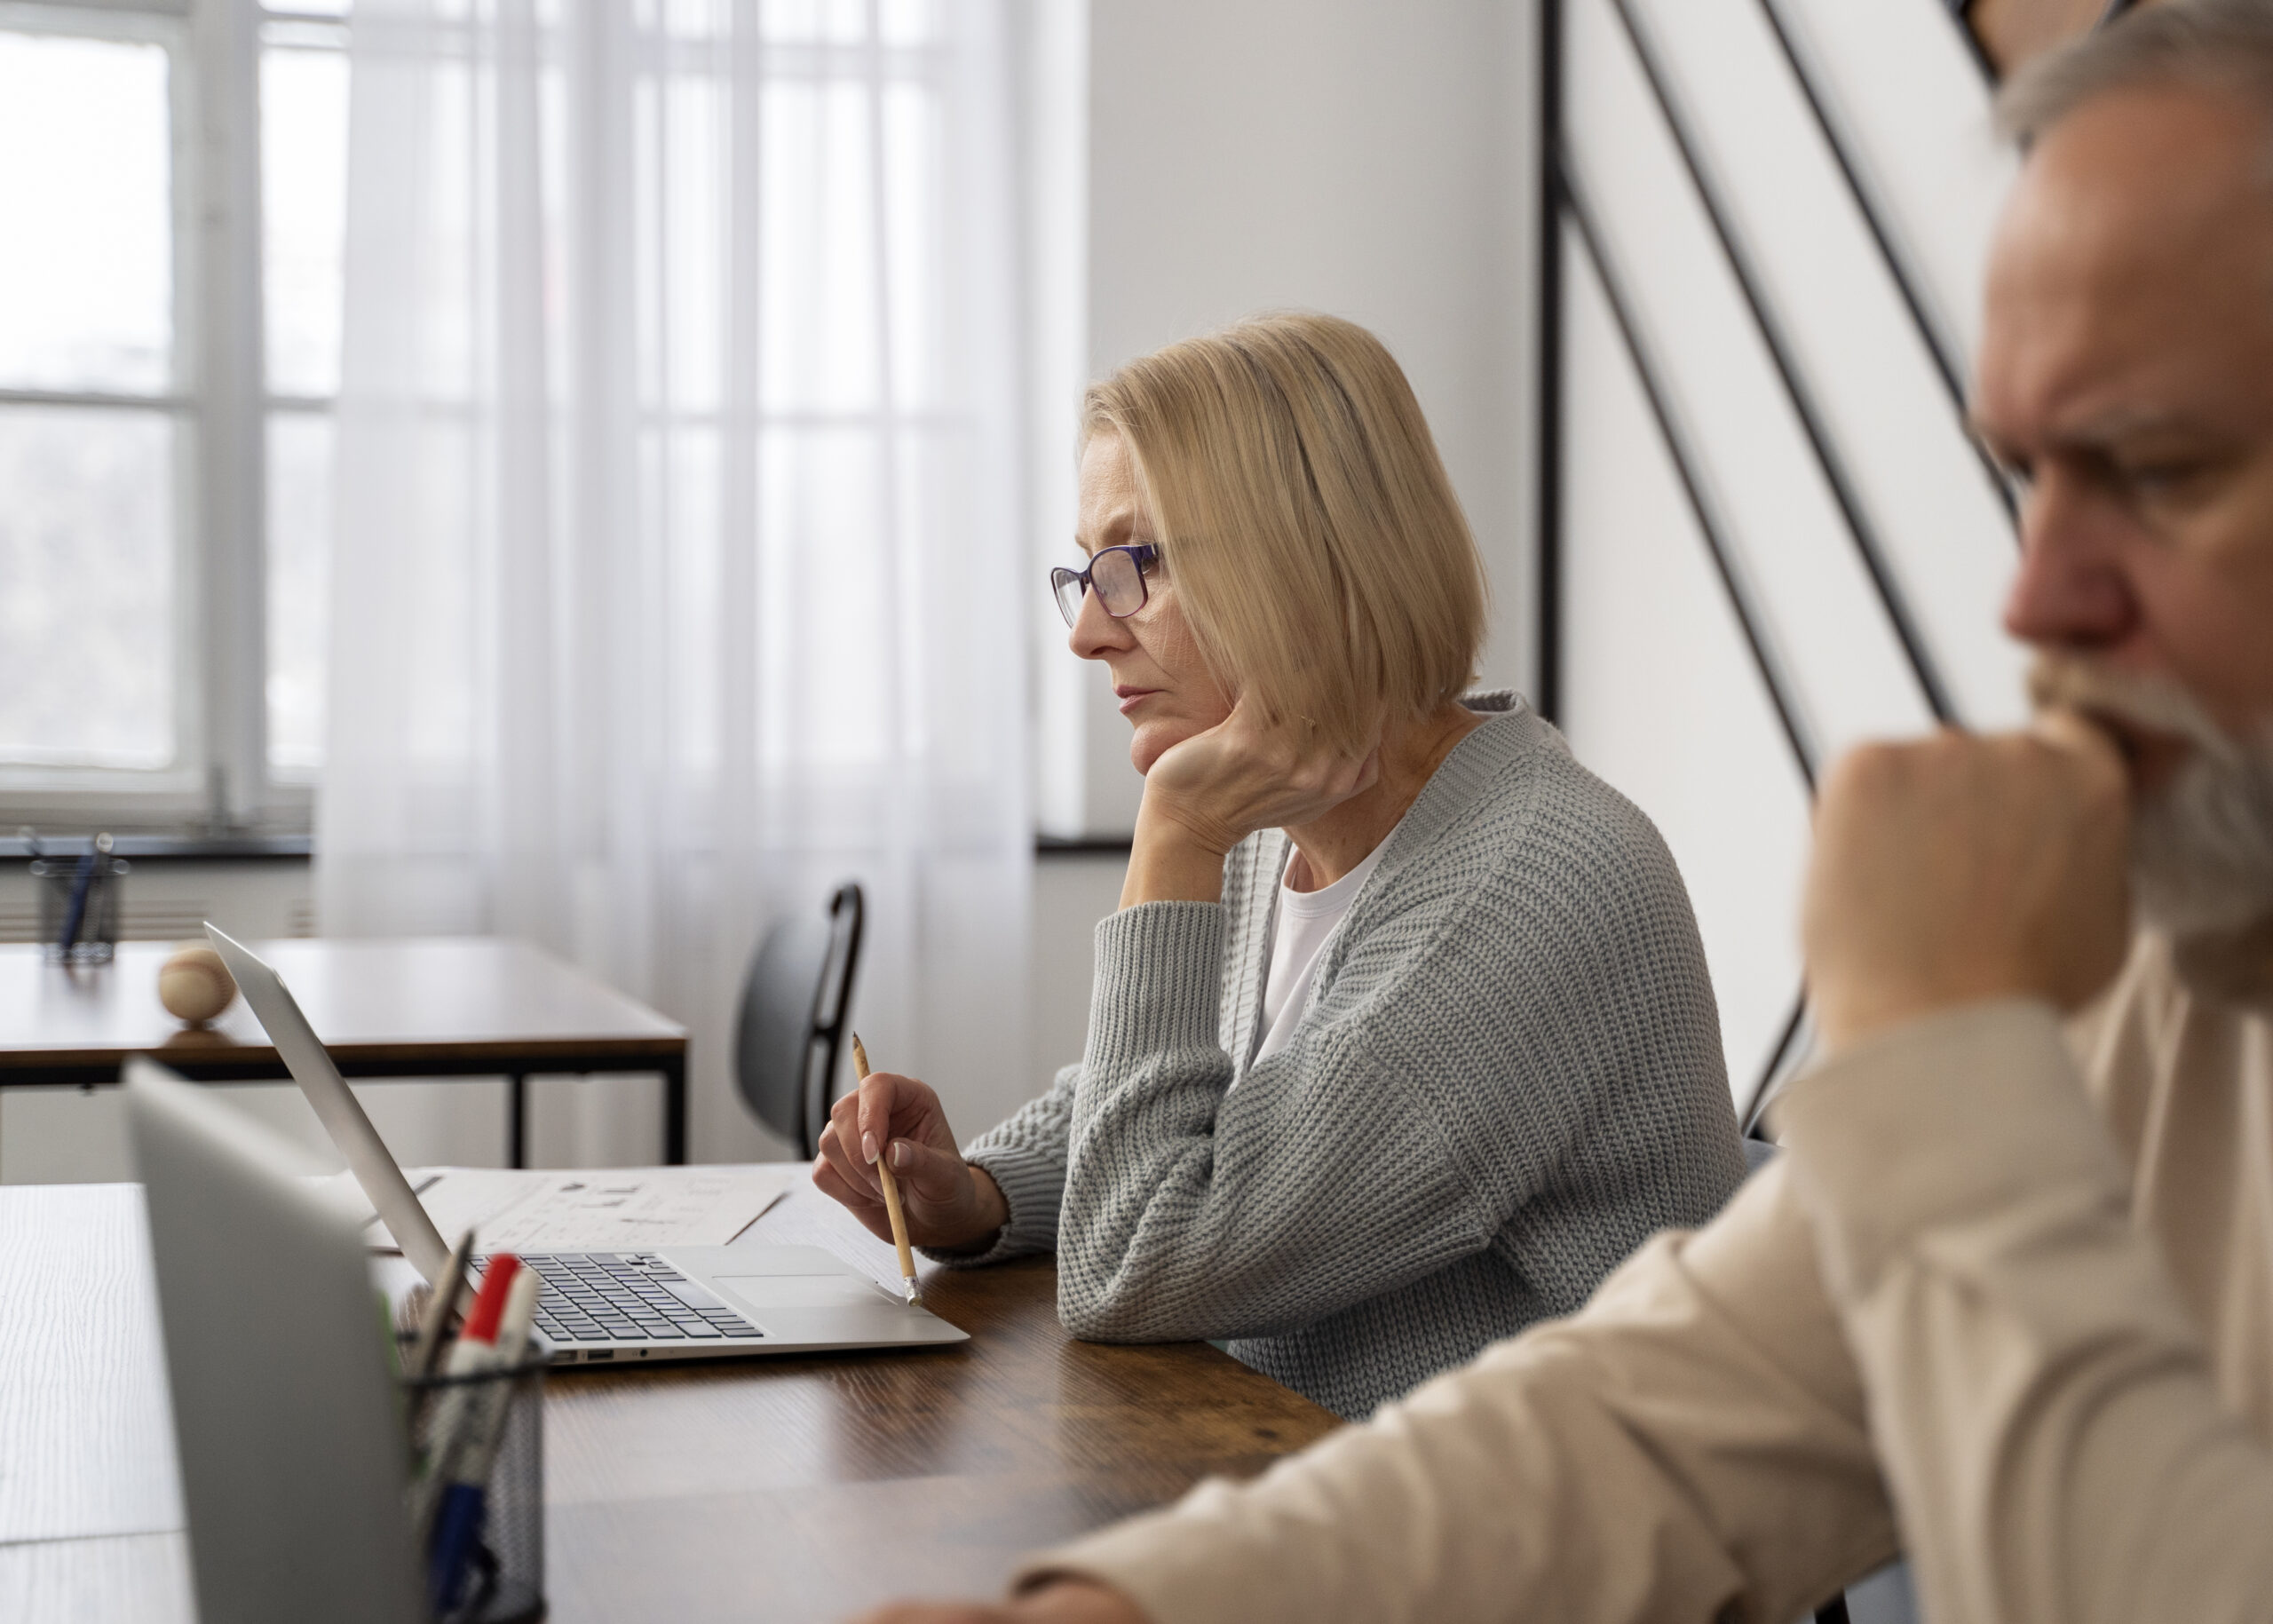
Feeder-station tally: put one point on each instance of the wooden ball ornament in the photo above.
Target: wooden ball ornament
(194, 986)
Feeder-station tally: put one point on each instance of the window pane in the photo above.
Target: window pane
(304, 198)
(86, 587)
(842, 22)
(84, 125)
(299, 582)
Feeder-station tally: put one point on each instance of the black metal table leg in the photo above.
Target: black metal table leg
(675, 1111)
(517, 1120)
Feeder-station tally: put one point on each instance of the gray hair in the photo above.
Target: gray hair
(2216, 44)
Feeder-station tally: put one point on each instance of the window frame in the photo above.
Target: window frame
(220, 782)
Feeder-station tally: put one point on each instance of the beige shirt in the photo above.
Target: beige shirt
(2007, 1311)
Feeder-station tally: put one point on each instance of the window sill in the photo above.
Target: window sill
(1080, 845)
(175, 848)
(300, 848)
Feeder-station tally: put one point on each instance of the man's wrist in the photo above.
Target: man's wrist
(1843, 1022)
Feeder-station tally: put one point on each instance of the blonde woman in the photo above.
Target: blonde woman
(1402, 1037)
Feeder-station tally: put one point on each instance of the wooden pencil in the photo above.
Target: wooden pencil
(891, 1191)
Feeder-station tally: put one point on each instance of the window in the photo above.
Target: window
(303, 202)
(168, 359)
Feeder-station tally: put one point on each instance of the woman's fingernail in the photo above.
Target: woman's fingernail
(867, 1147)
(902, 1153)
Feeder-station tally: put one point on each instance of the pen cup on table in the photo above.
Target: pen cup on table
(477, 1464)
(78, 903)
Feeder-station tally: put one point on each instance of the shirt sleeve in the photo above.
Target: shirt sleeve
(2049, 1421)
(1690, 1446)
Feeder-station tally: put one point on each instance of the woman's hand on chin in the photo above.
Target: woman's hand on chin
(950, 1205)
(1211, 791)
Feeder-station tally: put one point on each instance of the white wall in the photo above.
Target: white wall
(1071, 893)
(1372, 161)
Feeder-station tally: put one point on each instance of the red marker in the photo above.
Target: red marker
(475, 1350)
(489, 1306)
(463, 1506)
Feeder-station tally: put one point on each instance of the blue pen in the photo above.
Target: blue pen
(462, 1463)
(81, 884)
(457, 1529)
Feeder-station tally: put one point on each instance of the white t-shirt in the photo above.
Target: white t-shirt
(1300, 925)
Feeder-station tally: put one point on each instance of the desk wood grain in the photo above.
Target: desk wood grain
(122, 1578)
(86, 1433)
(787, 1489)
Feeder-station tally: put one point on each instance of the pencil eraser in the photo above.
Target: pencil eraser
(194, 986)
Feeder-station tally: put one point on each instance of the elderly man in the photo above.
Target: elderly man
(2007, 1301)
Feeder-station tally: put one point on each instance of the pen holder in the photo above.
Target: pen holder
(63, 882)
(501, 1577)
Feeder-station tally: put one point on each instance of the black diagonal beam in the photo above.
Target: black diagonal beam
(1946, 365)
(1859, 527)
(1687, 464)
(1548, 537)
(1962, 15)
(1572, 208)
(1748, 1123)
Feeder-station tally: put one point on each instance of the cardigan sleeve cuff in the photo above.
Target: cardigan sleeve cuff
(1156, 989)
(1033, 1187)
(1937, 1120)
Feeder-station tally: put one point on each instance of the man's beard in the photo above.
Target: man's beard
(2201, 844)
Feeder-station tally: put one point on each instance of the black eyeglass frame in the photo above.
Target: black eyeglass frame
(1142, 554)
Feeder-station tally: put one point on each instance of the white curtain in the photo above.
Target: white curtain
(679, 569)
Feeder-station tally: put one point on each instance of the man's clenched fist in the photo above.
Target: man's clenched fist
(1959, 868)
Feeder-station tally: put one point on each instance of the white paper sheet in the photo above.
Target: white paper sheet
(595, 1209)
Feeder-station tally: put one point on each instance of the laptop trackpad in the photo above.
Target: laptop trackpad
(765, 1291)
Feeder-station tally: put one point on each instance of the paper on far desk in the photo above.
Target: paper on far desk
(595, 1209)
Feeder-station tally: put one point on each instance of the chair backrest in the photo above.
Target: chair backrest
(795, 1000)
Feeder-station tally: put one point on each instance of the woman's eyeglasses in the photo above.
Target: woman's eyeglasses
(1117, 573)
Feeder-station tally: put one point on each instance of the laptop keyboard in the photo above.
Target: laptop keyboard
(626, 1296)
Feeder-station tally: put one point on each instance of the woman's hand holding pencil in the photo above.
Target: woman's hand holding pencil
(893, 1212)
(947, 1203)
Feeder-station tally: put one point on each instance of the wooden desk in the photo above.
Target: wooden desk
(787, 1489)
(452, 1006)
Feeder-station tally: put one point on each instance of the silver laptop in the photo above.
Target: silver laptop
(292, 1468)
(676, 1302)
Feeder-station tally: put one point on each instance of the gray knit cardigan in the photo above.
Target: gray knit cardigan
(1507, 1076)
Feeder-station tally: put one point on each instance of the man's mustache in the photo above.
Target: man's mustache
(2156, 704)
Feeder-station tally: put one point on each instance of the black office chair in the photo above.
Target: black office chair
(795, 1002)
